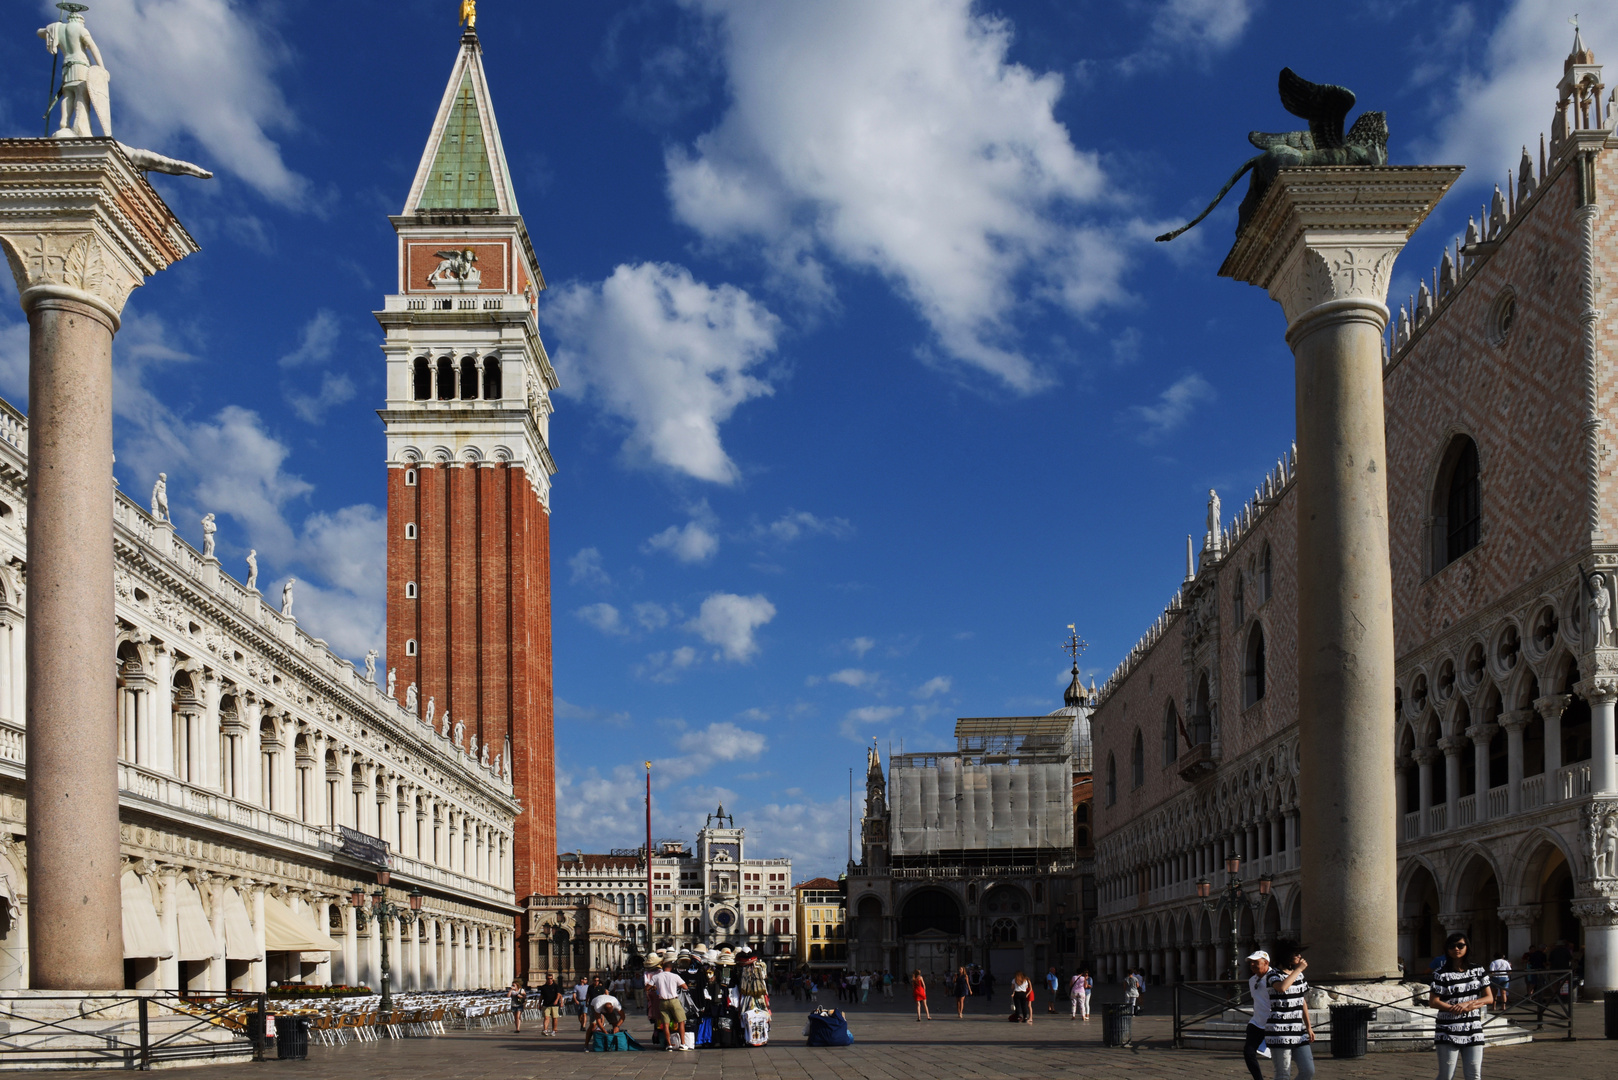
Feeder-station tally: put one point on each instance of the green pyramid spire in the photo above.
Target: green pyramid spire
(462, 176)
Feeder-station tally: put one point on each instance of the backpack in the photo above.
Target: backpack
(829, 1029)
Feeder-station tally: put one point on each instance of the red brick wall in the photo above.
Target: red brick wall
(482, 621)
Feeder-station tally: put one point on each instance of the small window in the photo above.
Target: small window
(410, 478)
(1171, 734)
(446, 379)
(1253, 667)
(410, 647)
(1265, 581)
(1112, 780)
(491, 379)
(410, 530)
(410, 590)
(421, 379)
(469, 378)
(1137, 771)
(1502, 315)
(1238, 602)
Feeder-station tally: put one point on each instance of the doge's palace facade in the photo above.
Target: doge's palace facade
(259, 774)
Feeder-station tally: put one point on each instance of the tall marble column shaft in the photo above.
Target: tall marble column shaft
(81, 228)
(1323, 243)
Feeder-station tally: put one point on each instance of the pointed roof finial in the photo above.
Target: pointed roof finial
(1580, 53)
(469, 14)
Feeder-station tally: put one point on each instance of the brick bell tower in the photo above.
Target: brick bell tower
(469, 465)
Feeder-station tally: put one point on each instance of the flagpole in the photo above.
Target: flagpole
(649, 906)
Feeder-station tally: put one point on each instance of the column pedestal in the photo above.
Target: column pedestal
(82, 229)
(1323, 243)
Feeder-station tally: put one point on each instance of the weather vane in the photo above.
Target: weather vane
(1075, 645)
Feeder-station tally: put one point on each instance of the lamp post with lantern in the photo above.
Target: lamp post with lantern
(381, 911)
(1235, 899)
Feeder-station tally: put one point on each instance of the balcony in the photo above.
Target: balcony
(1197, 762)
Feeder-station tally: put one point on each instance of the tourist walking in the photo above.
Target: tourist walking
(1290, 1033)
(517, 996)
(1258, 975)
(1078, 989)
(1053, 983)
(1500, 980)
(1133, 986)
(550, 1006)
(865, 988)
(1022, 998)
(581, 1002)
(963, 987)
(918, 990)
(1460, 992)
(887, 984)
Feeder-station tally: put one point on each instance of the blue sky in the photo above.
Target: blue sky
(873, 378)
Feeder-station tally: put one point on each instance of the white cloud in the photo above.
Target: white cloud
(603, 617)
(939, 684)
(587, 568)
(854, 677)
(199, 70)
(1492, 107)
(794, 524)
(755, 714)
(334, 390)
(898, 138)
(723, 742)
(317, 342)
(1212, 24)
(695, 541)
(862, 724)
(859, 646)
(669, 356)
(651, 616)
(666, 666)
(729, 622)
(1174, 406)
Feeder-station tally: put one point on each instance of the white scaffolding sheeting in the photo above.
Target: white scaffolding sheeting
(960, 802)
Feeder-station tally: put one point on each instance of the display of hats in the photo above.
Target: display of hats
(726, 956)
(654, 960)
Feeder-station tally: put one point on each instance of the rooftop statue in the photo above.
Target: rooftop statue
(85, 89)
(1325, 143)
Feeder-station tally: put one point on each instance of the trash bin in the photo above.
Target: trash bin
(258, 1024)
(1611, 998)
(292, 1038)
(1117, 1025)
(1350, 1029)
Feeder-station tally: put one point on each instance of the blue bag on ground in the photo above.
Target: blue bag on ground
(705, 1032)
(602, 1041)
(829, 1029)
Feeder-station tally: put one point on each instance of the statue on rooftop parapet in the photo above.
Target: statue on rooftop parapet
(1325, 143)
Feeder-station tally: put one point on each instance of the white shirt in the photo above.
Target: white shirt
(597, 1003)
(666, 984)
(1500, 969)
(1261, 1000)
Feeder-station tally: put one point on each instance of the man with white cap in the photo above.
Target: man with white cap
(1258, 967)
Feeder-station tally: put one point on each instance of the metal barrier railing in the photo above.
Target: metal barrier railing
(1543, 997)
(122, 1030)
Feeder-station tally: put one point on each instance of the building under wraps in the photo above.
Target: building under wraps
(973, 858)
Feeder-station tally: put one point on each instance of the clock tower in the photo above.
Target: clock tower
(469, 463)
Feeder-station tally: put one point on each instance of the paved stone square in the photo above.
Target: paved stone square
(889, 1043)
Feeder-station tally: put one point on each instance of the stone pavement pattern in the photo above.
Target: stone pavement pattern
(888, 1045)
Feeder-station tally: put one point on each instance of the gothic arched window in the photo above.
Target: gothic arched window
(469, 378)
(1457, 503)
(1137, 771)
(421, 379)
(1171, 734)
(446, 379)
(1265, 576)
(1112, 779)
(1253, 667)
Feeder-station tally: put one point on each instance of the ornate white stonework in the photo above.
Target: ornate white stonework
(79, 220)
(1302, 249)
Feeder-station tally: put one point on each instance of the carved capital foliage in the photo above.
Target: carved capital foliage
(1517, 720)
(1482, 732)
(1427, 755)
(1553, 706)
(1318, 275)
(1596, 910)
(1453, 744)
(1600, 690)
(1519, 916)
(75, 259)
(1453, 921)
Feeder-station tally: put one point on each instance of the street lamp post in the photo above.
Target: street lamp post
(1235, 899)
(381, 912)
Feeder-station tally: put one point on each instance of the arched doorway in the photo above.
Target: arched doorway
(1478, 894)
(1554, 888)
(1005, 912)
(1418, 916)
(868, 934)
(932, 929)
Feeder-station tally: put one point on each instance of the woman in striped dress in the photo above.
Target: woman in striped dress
(1289, 1032)
(1460, 992)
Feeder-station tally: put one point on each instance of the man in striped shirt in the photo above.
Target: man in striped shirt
(1289, 1032)
(1460, 991)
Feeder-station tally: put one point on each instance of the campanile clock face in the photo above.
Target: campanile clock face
(724, 918)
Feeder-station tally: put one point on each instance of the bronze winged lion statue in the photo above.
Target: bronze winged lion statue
(1325, 143)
